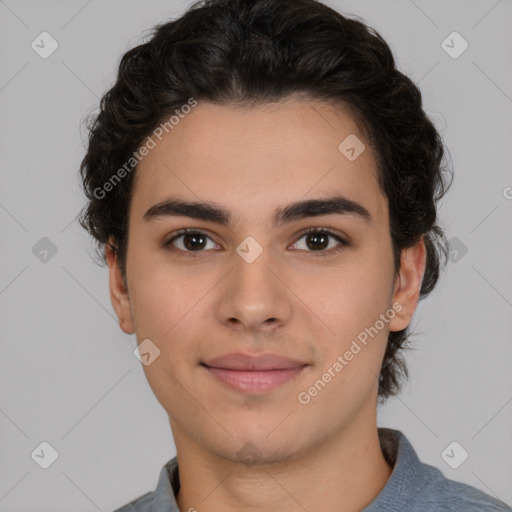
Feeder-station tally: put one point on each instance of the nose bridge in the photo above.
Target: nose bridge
(253, 295)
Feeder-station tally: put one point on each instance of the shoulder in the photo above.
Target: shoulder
(445, 495)
(415, 486)
(163, 497)
(142, 504)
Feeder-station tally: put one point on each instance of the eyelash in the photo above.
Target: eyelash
(320, 253)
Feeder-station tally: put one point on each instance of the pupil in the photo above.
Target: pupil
(316, 237)
(193, 239)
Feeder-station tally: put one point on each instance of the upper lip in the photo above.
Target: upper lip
(240, 361)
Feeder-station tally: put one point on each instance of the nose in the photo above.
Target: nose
(254, 296)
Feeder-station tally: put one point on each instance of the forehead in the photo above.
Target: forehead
(255, 159)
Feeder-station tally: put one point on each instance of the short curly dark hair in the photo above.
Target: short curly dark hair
(249, 52)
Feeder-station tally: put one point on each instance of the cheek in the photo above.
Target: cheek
(347, 298)
(353, 345)
(167, 314)
(159, 303)
(171, 309)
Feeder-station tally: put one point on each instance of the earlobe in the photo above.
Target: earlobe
(118, 292)
(408, 285)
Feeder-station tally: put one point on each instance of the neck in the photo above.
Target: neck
(344, 474)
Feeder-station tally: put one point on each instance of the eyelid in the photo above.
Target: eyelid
(330, 231)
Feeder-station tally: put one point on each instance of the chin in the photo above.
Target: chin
(258, 450)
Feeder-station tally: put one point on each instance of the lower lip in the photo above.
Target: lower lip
(254, 381)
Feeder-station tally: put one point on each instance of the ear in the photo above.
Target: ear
(408, 285)
(118, 292)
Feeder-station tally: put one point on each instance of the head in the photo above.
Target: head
(252, 107)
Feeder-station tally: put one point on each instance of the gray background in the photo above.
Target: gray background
(68, 373)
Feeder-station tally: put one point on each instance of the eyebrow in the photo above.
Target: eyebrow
(212, 212)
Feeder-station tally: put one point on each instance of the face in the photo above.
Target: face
(248, 278)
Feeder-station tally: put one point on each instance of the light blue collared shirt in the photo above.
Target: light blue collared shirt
(412, 487)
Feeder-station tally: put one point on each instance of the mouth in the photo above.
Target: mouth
(253, 374)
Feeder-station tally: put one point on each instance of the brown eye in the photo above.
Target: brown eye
(189, 241)
(194, 241)
(319, 240)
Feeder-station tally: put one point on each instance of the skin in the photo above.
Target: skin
(323, 456)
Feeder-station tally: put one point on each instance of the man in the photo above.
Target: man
(263, 182)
